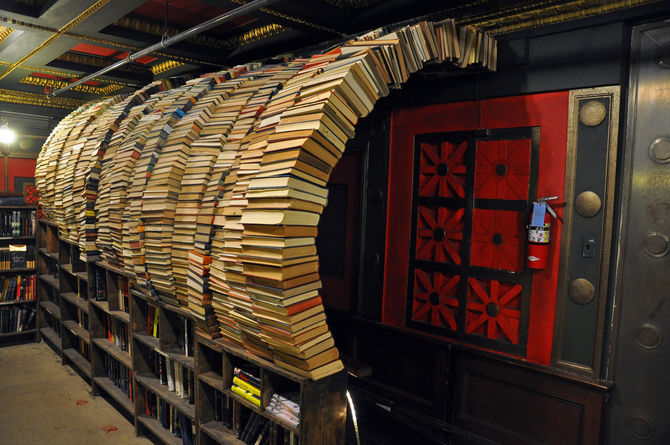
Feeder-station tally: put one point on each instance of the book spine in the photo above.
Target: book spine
(246, 395)
(247, 386)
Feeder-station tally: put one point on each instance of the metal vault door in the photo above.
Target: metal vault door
(639, 411)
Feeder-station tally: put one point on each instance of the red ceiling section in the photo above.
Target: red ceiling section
(188, 13)
(101, 51)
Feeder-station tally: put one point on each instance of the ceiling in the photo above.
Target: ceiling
(46, 44)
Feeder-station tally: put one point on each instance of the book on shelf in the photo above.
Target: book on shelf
(119, 375)
(15, 223)
(246, 395)
(18, 288)
(16, 319)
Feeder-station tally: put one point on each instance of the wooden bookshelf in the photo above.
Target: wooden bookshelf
(18, 299)
(79, 301)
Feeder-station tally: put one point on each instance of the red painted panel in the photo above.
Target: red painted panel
(550, 112)
(18, 167)
(439, 234)
(443, 170)
(498, 239)
(188, 13)
(502, 169)
(102, 51)
(405, 124)
(547, 111)
(493, 310)
(435, 300)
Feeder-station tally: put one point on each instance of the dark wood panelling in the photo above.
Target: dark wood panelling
(518, 406)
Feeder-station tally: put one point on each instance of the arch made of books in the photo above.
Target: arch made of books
(209, 193)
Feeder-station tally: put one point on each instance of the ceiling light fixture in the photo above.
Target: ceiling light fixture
(7, 135)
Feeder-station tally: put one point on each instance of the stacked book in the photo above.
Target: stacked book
(164, 184)
(93, 154)
(209, 193)
(121, 153)
(247, 386)
(285, 407)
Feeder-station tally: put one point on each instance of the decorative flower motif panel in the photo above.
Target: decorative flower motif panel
(435, 299)
(498, 239)
(439, 234)
(503, 169)
(493, 310)
(443, 170)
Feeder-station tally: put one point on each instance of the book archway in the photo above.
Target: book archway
(208, 193)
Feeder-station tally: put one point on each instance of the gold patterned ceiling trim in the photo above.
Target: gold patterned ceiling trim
(68, 75)
(245, 38)
(538, 14)
(289, 18)
(255, 34)
(98, 40)
(165, 66)
(40, 100)
(55, 84)
(4, 33)
(74, 22)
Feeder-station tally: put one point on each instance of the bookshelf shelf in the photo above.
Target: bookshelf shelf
(77, 330)
(48, 223)
(51, 308)
(13, 302)
(148, 340)
(19, 270)
(51, 281)
(157, 429)
(220, 433)
(17, 238)
(184, 360)
(47, 254)
(213, 379)
(104, 305)
(108, 387)
(17, 207)
(116, 270)
(113, 350)
(75, 300)
(83, 276)
(51, 335)
(78, 360)
(17, 334)
(154, 384)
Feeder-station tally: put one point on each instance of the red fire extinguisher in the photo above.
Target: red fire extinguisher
(538, 233)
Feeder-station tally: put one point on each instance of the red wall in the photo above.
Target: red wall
(15, 167)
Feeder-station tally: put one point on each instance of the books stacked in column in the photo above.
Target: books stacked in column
(158, 210)
(286, 408)
(247, 386)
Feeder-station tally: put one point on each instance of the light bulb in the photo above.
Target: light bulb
(7, 136)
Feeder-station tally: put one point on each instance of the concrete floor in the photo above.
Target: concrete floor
(43, 402)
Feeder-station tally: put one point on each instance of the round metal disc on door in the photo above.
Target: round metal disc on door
(581, 291)
(588, 204)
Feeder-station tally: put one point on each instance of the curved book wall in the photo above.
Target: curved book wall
(209, 193)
